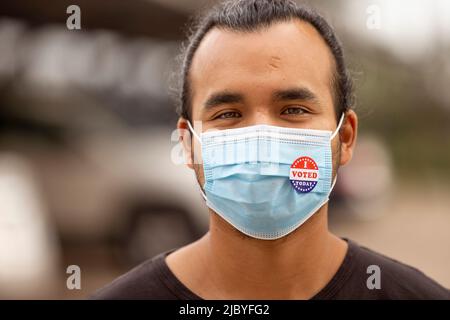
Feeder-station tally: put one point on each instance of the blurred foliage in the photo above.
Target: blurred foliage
(392, 102)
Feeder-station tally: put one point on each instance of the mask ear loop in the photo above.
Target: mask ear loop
(338, 127)
(331, 138)
(199, 140)
(334, 182)
(193, 132)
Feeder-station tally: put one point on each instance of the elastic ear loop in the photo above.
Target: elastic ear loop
(200, 141)
(334, 182)
(338, 127)
(331, 138)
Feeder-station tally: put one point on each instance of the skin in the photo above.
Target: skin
(251, 67)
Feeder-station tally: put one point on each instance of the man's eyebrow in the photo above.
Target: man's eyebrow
(224, 97)
(295, 94)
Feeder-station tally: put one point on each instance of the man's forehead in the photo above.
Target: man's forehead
(289, 43)
(286, 54)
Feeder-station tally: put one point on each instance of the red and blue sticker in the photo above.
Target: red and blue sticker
(304, 174)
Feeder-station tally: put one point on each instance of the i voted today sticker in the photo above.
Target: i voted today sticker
(304, 174)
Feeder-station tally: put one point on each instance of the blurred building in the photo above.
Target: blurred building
(87, 115)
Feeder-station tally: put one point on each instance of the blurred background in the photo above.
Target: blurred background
(88, 170)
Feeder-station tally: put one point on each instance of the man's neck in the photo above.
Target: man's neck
(296, 266)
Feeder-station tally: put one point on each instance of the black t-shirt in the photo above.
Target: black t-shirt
(154, 280)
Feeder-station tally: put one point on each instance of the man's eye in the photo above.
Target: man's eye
(294, 111)
(228, 115)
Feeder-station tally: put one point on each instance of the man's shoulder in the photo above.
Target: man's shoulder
(145, 281)
(396, 280)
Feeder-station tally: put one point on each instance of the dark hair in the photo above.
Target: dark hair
(251, 15)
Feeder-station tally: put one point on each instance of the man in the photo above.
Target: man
(266, 121)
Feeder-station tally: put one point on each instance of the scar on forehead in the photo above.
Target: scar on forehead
(275, 62)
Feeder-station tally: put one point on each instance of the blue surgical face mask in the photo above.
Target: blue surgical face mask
(265, 180)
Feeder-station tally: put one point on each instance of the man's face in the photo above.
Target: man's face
(279, 76)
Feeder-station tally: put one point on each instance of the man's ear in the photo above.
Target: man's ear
(348, 134)
(186, 141)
